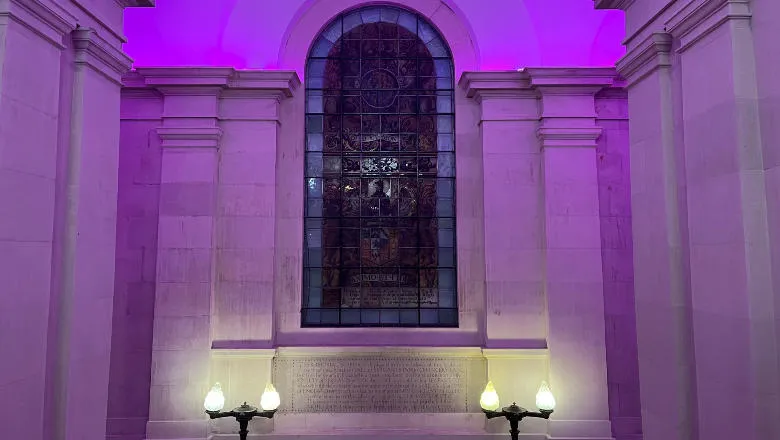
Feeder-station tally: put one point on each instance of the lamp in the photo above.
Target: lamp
(215, 401)
(545, 401)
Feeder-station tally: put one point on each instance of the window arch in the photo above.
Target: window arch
(379, 218)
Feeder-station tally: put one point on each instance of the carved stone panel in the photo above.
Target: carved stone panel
(380, 383)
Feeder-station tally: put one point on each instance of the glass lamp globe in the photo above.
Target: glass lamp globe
(270, 399)
(215, 399)
(489, 399)
(544, 398)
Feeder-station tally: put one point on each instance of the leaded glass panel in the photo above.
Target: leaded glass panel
(380, 246)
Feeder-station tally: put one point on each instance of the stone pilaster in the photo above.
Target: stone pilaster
(572, 259)
(88, 236)
(214, 285)
(544, 285)
(733, 294)
(660, 252)
(513, 217)
(186, 256)
(246, 241)
(31, 65)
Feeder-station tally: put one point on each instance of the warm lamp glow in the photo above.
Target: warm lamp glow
(489, 399)
(270, 399)
(215, 399)
(544, 398)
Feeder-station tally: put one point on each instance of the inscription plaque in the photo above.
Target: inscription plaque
(379, 384)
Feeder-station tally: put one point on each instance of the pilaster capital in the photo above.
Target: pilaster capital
(646, 57)
(612, 4)
(94, 51)
(698, 18)
(189, 137)
(48, 20)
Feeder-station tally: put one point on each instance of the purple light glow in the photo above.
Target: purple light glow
(249, 33)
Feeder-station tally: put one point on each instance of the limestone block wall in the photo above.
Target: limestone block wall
(542, 164)
(61, 64)
(704, 201)
(138, 208)
(613, 165)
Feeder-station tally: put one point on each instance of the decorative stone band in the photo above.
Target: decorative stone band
(569, 137)
(646, 57)
(94, 51)
(189, 137)
(698, 18)
(48, 20)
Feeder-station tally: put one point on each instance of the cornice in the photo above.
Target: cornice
(645, 58)
(569, 137)
(50, 22)
(185, 76)
(209, 80)
(94, 51)
(537, 81)
(510, 83)
(698, 18)
(284, 82)
(612, 4)
(589, 77)
(189, 137)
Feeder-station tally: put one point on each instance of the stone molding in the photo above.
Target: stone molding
(572, 78)
(651, 54)
(49, 21)
(227, 82)
(533, 82)
(506, 84)
(261, 353)
(569, 137)
(362, 351)
(94, 51)
(612, 4)
(189, 137)
(698, 18)
(517, 353)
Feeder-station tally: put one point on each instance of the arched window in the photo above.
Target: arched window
(380, 174)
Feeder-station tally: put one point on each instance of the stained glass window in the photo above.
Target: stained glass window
(379, 174)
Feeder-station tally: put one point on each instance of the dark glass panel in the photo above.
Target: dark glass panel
(379, 233)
